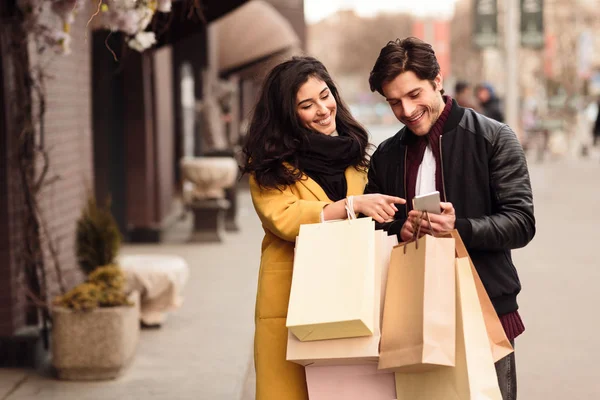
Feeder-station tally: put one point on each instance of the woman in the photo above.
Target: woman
(307, 160)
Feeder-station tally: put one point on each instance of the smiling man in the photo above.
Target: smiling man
(475, 163)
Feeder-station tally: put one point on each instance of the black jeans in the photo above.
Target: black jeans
(507, 376)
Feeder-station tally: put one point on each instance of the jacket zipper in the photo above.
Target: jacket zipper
(443, 181)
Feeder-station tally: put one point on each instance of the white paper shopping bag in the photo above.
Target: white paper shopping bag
(359, 350)
(333, 282)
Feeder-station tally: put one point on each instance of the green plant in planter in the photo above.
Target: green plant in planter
(97, 244)
(83, 297)
(104, 288)
(109, 277)
(111, 280)
(98, 239)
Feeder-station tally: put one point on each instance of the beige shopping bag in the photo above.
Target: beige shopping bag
(499, 343)
(359, 350)
(333, 283)
(474, 376)
(419, 322)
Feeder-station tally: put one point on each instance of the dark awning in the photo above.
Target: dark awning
(181, 24)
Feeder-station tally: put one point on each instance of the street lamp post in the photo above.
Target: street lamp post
(511, 49)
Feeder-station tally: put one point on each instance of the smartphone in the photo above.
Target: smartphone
(429, 202)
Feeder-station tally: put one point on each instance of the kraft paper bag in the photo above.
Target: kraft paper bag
(349, 382)
(390, 243)
(349, 350)
(333, 282)
(499, 343)
(474, 376)
(419, 315)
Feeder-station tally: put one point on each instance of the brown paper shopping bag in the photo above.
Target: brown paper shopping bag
(359, 350)
(333, 282)
(499, 343)
(419, 323)
(474, 376)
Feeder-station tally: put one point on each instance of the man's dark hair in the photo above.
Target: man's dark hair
(401, 55)
(460, 86)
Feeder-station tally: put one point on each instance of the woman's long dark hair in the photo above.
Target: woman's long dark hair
(275, 134)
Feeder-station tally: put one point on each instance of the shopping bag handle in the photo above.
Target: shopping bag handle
(417, 230)
(349, 206)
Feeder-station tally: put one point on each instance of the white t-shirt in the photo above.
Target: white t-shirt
(426, 174)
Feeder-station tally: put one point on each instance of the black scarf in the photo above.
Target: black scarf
(325, 158)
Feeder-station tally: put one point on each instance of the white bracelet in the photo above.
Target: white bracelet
(350, 207)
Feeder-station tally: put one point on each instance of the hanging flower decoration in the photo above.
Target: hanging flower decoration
(131, 17)
(47, 36)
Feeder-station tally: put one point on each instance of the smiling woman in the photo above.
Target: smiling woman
(299, 100)
(316, 106)
(307, 160)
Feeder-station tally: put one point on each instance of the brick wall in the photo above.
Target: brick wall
(68, 139)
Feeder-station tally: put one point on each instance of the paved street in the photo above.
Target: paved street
(557, 356)
(204, 349)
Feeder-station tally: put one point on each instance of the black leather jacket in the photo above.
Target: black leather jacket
(486, 179)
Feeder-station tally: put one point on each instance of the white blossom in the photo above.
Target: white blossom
(132, 17)
(142, 41)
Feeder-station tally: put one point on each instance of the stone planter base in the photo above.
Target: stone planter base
(209, 220)
(89, 374)
(95, 345)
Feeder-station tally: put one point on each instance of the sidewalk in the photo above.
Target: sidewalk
(203, 351)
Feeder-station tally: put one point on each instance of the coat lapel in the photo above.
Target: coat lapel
(356, 180)
(314, 188)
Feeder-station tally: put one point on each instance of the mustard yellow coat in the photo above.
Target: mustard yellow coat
(281, 214)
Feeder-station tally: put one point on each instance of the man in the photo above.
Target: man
(489, 102)
(463, 93)
(478, 166)
(596, 131)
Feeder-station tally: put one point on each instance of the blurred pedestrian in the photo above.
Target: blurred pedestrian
(307, 159)
(463, 94)
(489, 103)
(597, 126)
(476, 164)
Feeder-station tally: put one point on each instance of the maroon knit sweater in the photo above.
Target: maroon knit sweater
(416, 151)
(511, 322)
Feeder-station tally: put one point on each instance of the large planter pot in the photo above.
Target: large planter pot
(209, 176)
(94, 345)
